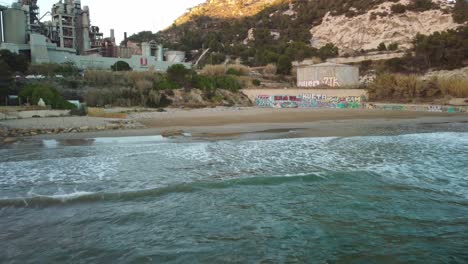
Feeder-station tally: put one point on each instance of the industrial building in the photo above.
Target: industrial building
(327, 74)
(70, 38)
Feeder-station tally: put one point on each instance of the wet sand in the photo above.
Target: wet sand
(230, 123)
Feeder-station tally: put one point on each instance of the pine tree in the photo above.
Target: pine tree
(460, 12)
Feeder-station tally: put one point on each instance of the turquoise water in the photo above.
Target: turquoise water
(377, 199)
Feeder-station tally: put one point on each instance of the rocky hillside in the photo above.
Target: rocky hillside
(226, 9)
(382, 24)
(258, 32)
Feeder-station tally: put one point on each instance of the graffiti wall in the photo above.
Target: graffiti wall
(309, 101)
(418, 108)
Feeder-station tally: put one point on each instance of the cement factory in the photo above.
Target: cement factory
(70, 38)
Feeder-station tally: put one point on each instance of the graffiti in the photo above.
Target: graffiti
(348, 102)
(418, 108)
(309, 101)
(328, 81)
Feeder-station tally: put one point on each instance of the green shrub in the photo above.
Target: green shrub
(232, 71)
(256, 82)
(211, 83)
(421, 5)
(382, 47)
(393, 46)
(179, 74)
(121, 66)
(6, 79)
(165, 84)
(284, 65)
(460, 12)
(16, 62)
(34, 92)
(398, 9)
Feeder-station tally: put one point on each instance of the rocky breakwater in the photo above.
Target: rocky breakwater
(10, 135)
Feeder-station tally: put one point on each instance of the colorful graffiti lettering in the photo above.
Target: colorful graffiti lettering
(328, 81)
(348, 102)
(418, 108)
(309, 101)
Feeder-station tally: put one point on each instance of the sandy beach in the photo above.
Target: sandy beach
(259, 122)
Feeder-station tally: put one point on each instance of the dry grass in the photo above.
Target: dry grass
(409, 88)
(99, 112)
(213, 70)
(456, 87)
(108, 78)
(270, 69)
(242, 69)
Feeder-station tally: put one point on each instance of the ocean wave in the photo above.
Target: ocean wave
(92, 197)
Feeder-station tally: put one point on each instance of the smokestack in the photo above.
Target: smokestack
(125, 39)
(112, 35)
(85, 25)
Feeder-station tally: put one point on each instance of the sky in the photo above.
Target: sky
(132, 17)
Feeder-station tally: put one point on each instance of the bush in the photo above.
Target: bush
(456, 87)
(256, 82)
(213, 70)
(445, 50)
(34, 92)
(421, 5)
(284, 65)
(382, 47)
(16, 62)
(121, 66)
(6, 79)
(393, 46)
(211, 83)
(398, 9)
(232, 71)
(328, 51)
(406, 88)
(270, 69)
(460, 12)
(239, 69)
(178, 74)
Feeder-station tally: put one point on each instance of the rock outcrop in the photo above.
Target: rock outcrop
(226, 9)
(379, 25)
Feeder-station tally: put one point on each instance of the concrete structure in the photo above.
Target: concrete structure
(70, 38)
(327, 74)
(307, 98)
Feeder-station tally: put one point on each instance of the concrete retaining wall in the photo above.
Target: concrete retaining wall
(307, 98)
(32, 114)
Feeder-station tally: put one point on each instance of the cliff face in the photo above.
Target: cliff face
(368, 30)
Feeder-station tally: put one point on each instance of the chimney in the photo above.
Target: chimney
(112, 36)
(125, 39)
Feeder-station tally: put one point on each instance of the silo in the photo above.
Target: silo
(1, 24)
(15, 25)
(85, 28)
(159, 55)
(175, 56)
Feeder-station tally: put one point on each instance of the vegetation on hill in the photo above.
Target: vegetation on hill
(412, 89)
(278, 28)
(32, 93)
(442, 50)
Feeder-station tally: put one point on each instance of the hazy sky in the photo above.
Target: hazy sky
(133, 16)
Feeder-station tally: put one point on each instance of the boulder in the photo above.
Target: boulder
(9, 140)
(172, 133)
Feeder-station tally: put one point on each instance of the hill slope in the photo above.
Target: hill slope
(260, 31)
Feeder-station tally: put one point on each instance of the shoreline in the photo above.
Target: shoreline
(252, 123)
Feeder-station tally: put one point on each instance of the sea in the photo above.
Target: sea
(400, 198)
